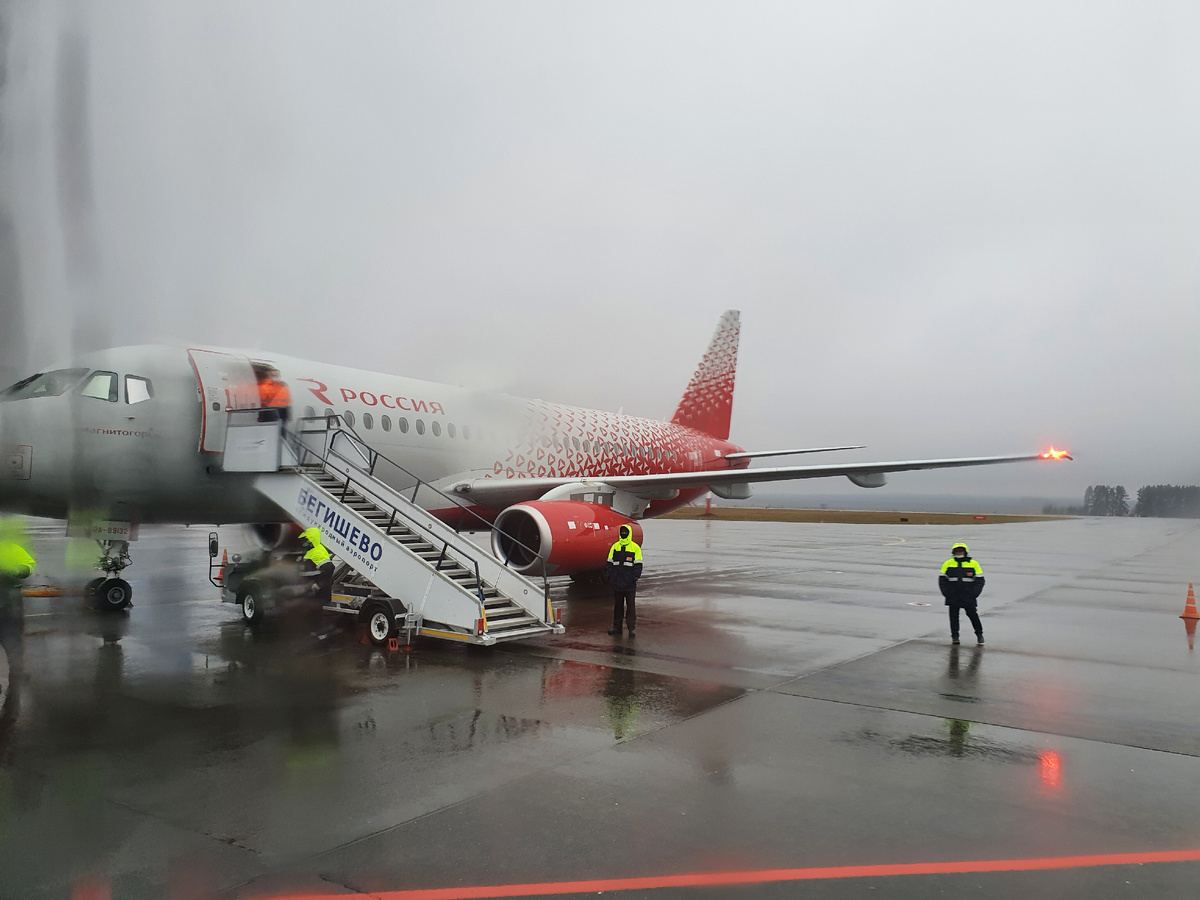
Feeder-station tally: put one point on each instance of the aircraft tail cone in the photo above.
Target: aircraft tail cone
(1189, 609)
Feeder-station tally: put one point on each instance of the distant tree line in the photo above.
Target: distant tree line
(1169, 501)
(1158, 501)
(1103, 500)
(1051, 510)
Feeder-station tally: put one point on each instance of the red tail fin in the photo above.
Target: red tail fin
(708, 401)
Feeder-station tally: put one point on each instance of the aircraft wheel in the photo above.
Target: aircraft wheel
(113, 594)
(381, 624)
(89, 589)
(252, 605)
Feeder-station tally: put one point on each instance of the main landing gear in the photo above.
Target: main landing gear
(110, 591)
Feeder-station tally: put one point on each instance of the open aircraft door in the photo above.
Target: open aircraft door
(226, 382)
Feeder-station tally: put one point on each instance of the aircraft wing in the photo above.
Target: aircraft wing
(496, 492)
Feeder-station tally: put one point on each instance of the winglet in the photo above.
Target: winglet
(708, 401)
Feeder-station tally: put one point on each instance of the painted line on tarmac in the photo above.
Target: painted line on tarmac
(765, 876)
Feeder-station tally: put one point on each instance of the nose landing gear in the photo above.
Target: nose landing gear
(111, 592)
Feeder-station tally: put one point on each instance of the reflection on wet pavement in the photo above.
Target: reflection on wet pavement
(792, 710)
(264, 744)
(956, 742)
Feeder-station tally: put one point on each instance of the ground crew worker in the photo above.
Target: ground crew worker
(317, 565)
(622, 571)
(961, 583)
(15, 566)
(273, 392)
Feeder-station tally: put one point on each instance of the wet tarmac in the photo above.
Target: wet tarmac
(786, 707)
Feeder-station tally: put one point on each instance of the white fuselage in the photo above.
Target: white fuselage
(142, 461)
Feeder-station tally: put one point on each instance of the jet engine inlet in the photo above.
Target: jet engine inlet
(273, 535)
(521, 539)
(570, 535)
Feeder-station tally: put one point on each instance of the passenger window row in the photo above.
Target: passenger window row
(599, 448)
(402, 425)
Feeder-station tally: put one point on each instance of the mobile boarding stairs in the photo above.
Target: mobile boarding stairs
(401, 569)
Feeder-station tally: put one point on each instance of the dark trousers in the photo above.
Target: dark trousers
(321, 585)
(967, 606)
(12, 631)
(623, 605)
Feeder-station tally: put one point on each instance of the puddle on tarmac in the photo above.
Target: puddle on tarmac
(958, 739)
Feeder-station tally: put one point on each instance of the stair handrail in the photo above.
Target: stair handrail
(469, 555)
(374, 456)
(372, 459)
(335, 426)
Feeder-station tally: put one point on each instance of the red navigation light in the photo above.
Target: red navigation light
(1052, 453)
(1051, 766)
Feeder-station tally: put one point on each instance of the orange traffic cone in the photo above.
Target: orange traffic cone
(1189, 608)
(1190, 626)
(224, 562)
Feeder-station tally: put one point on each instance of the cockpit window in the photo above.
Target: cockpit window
(44, 384)
(102, 386)
(137, 389)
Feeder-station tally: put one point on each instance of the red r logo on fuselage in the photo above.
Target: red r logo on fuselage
(319, 390)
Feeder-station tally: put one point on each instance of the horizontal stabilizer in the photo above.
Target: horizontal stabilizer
(759, 454)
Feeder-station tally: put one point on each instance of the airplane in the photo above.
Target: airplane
(134, 435)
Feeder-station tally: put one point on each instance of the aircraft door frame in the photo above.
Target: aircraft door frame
(225, 382)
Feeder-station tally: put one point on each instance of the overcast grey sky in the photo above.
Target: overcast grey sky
(951, 228)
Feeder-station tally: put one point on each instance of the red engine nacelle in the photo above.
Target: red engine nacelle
(572, 536)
